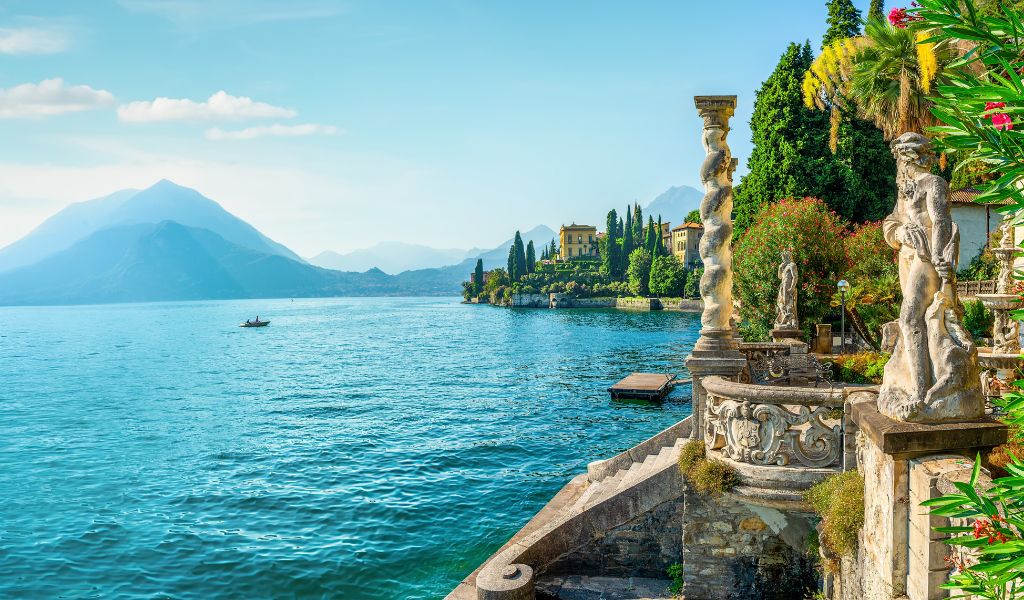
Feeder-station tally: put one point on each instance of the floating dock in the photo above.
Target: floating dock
(645, 386)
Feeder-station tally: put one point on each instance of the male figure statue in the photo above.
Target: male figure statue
(933, 375)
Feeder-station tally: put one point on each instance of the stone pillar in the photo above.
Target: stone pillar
(715, 352)
(895, 458)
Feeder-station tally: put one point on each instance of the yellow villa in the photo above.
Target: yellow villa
(685, 243)
(577, 240)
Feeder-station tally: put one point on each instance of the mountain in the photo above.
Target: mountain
(674, 203)
(390, 257)
(398, 257)
(171, 261)
(498, 257)
(164, 201)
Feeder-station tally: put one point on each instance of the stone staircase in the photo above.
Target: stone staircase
(612, 493)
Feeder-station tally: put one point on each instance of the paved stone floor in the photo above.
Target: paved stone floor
(581, 587)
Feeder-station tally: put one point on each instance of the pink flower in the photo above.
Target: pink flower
(991, 105)
(1002, 121)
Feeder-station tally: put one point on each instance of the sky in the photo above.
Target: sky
(336, 125)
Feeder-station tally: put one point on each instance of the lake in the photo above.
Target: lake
(355, 448)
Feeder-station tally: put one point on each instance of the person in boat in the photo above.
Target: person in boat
(248, 322)
(257, 318)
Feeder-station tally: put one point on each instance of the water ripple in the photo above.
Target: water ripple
(357, 448)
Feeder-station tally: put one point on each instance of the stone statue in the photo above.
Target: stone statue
(785, 305)
(933, 374)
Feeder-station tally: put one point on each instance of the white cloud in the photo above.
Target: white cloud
(50, 97)
(271, 130)
(219, 106)
(33, 40)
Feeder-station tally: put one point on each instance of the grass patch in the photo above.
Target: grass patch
(707, 476)
(839, 500)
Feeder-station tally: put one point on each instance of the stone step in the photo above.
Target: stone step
(636, 471)
(601, 489)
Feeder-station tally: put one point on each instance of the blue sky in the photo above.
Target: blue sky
(334, 125)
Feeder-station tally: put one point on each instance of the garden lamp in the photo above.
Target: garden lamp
(844, 287)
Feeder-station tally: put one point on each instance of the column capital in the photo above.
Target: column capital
(726, 105)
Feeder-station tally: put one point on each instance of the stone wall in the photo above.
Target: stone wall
(682, 304)
(727, 551)
(644, 547)
(733, 551)
(638, 303)
(566, 301)
(530, 300)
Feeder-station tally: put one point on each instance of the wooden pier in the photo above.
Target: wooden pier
(645, 386)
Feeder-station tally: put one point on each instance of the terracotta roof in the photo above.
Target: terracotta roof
(575, 226)
(688, 226)
(968, 195)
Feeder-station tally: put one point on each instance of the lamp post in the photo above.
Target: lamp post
(844, 287)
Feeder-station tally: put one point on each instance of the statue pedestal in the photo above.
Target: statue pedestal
(900, 554)
(788, 335)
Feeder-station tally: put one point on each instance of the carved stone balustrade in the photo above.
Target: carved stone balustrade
(780, 439)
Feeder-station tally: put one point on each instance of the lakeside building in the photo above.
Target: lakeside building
(666, 235)
(686, 242)
(577, 240)
(976, 222)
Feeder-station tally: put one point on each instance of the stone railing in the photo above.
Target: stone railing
(970, 289)
(780, 439)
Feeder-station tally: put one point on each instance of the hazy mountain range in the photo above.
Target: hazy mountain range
(169, 242)
(394, 257)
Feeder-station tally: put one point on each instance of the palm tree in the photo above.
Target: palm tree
(892, 78)
(885, 76)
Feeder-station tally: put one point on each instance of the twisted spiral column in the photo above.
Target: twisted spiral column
(716, 334)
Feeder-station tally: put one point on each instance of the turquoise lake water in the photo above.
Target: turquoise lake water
(355, 448)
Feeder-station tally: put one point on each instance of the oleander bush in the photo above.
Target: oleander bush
(815, 235)
(839, 501)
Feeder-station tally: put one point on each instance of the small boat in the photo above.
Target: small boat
(256, 323)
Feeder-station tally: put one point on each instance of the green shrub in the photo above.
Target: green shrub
(839, 500)
(668, 276)
(706, 475)
(862, 367)
(978, 319)
(675, 573)
(713, 477)
(690, 455)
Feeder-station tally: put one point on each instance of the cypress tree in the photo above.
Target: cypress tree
(791, 157)
(877, 10)
(638, 226)
(519, 257)
(478, 276)
(661, 242)
(627, 243)
(553, 251)
(618, 229)
(512, 263)
(651, 238)
(843, 21)
(628, 231)
(610, 258)
(531, 258)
